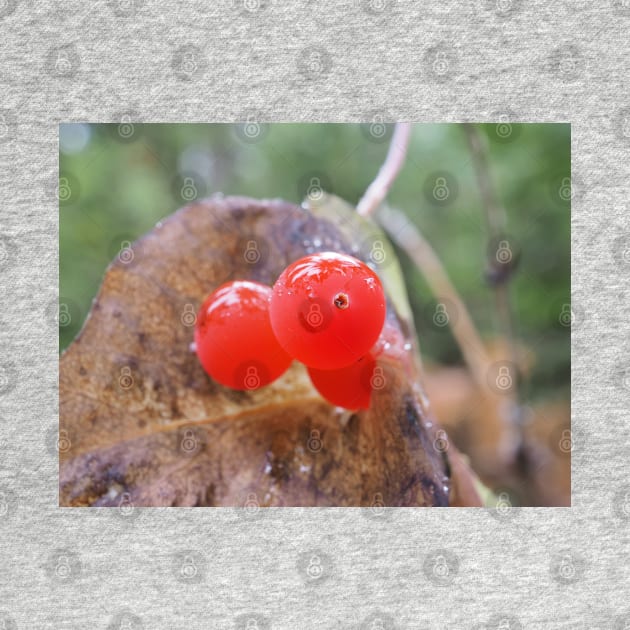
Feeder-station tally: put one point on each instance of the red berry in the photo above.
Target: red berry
(234, 340)
(327, 310)
(350, 387)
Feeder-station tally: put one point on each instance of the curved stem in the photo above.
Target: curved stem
(378, 189)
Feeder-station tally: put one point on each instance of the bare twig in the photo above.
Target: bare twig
(411, 241)
(378, 189)
(496, 220)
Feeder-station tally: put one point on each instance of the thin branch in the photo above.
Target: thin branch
(496, 220)
(413, 243)
(378, 189)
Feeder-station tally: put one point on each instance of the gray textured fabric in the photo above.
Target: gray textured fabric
(204, 568)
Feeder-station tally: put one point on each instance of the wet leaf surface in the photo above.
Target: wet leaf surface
(143, 423)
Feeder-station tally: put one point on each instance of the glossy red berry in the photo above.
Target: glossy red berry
(327, 310)
(350, 387)
(234, 340)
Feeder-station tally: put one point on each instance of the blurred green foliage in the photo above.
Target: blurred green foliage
(117, 181)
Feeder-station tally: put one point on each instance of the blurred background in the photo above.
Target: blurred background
(118, 180)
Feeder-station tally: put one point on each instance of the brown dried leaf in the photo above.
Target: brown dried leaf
(142, 423)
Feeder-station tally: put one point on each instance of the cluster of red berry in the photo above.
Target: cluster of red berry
(326, 310)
